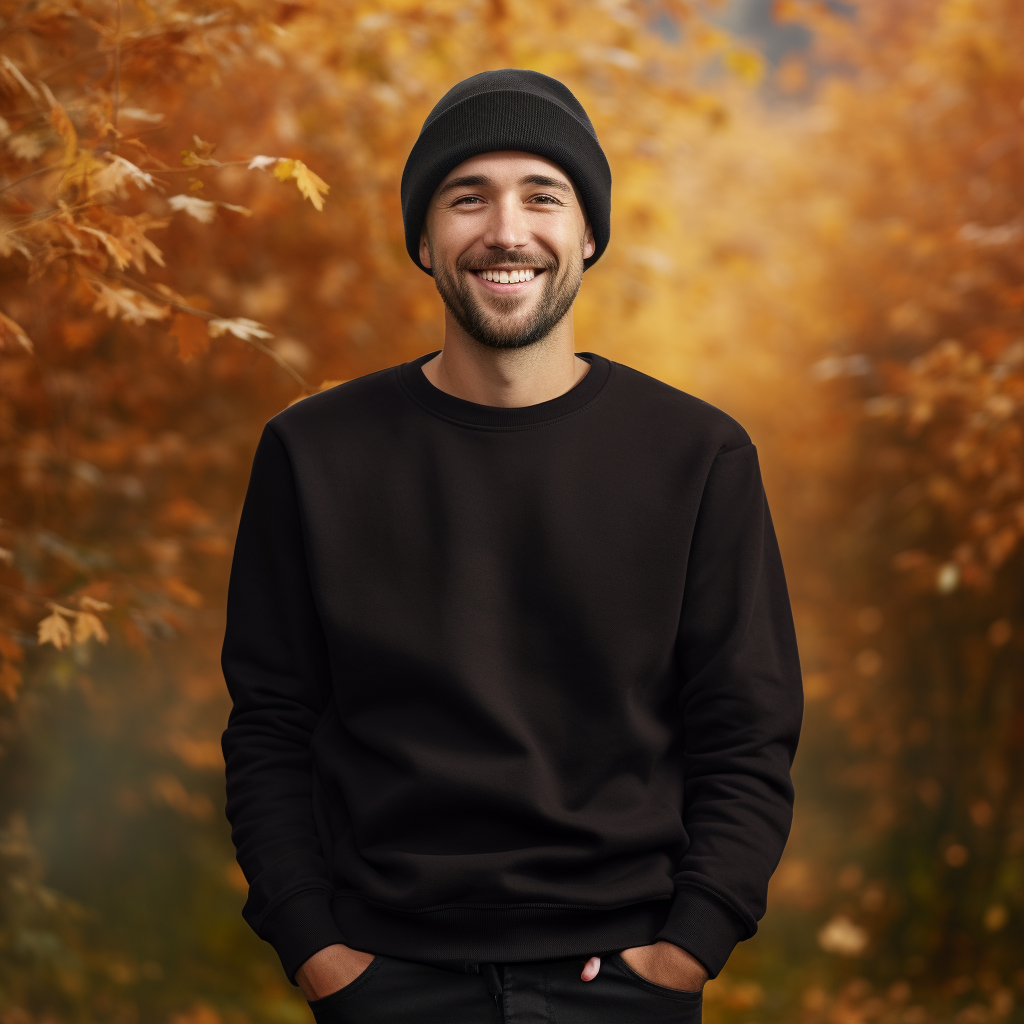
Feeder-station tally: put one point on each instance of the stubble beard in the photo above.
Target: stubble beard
(503, 326)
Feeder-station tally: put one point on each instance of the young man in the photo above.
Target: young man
(515, 682)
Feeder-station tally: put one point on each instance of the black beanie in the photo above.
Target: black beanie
(509, 109)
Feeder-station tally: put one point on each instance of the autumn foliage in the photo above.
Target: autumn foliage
(199, 224)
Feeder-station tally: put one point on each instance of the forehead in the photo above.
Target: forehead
(506, 167)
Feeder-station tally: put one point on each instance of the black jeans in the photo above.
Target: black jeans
(392, 991)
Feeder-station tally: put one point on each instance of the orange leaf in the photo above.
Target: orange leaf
(191, 335)
(10, 648)
(10, 681)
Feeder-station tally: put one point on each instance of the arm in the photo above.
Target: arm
(741, 703)
(276, 666)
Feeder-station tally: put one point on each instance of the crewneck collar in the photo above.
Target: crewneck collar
(492, 417)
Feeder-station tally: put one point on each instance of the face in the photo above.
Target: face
(506, 236)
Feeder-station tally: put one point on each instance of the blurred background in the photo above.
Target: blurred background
(818, 225)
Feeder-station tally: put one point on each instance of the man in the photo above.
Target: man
(515, 682)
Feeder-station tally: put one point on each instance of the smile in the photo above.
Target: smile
(520, 276)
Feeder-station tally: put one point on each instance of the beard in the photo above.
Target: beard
(505, 325)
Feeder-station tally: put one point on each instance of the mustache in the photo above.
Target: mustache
(502, 258)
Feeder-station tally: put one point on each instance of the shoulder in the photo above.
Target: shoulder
(665, 408)
(339, 407)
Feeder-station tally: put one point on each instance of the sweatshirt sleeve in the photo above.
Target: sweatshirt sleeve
(276, 666)
(741, 702)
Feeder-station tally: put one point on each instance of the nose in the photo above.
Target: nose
(506, 225)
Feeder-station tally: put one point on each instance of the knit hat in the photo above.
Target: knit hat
(509, 109)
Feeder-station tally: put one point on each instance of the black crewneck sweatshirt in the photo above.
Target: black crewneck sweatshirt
(508, 684)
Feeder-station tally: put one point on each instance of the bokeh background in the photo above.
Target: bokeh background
(818, 225)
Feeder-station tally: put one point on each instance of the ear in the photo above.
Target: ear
(424, 248)
(589, 245)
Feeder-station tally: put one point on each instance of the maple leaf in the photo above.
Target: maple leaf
(190, 159)
(121, 254)
(191, 335)
(10, 681)
(240, 327)
(12, 332)
(88, 625)
(201, 209)
(310, 185)
(54, 629)
(127, 303)
(133, 234)
(66, 130)
(118, 172)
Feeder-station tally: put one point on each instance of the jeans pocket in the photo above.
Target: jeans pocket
(689, 998)
(323, 1009)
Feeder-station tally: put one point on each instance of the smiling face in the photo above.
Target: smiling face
(506, 236)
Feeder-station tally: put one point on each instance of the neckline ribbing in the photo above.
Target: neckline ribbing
(490, 417)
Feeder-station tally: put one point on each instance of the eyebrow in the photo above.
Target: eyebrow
(481, 180)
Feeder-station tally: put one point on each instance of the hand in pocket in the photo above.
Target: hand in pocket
(330, 970)
(666, 965)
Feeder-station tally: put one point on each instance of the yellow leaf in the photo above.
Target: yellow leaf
(55, 630)
(88, 625)
(313, 187)
(746, 64)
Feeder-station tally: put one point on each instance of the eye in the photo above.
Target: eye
(545, 199)
(467, 201)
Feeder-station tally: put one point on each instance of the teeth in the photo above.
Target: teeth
(506, 276)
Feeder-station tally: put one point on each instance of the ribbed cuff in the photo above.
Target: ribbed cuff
(704, 926)
(300, 927)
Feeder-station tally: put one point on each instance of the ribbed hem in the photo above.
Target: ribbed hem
(704, 926)
(507, 935)
(300, 927)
